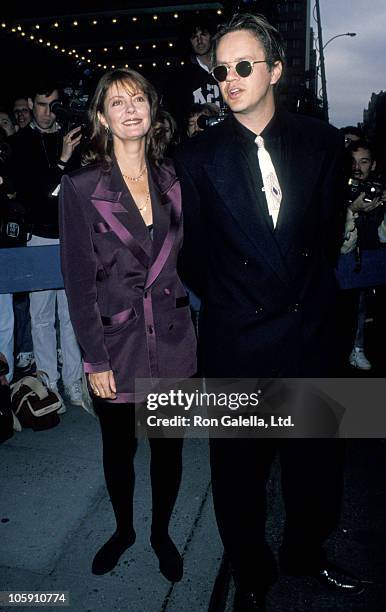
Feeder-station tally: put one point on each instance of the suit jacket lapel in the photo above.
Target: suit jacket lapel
(231, 178)
(300, 170)
(161, 210)
(115, 206)
(166, 215)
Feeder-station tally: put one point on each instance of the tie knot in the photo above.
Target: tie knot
(259, 141)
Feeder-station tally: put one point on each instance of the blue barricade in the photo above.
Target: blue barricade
(38, 267)
(30, 269)
(372, 272)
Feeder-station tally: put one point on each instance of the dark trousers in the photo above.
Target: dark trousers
(117, 424)
(311, 478)
(348, 320)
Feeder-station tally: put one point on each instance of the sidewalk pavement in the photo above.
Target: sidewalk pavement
(55, 514)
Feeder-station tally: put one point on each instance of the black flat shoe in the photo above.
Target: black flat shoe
(248, 601)
(108, 556)
(170, 561)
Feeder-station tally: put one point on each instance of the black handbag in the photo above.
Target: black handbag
(34, 405)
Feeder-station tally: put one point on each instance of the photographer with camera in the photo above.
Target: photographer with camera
(365, 230)
(199, 117)
(41, 155)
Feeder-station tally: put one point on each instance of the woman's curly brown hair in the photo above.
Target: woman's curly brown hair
(101, 143)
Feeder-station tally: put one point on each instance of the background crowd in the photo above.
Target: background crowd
(38, 144)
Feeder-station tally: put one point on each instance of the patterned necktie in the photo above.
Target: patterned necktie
(270, 181)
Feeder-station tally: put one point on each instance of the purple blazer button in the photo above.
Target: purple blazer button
(167, 291)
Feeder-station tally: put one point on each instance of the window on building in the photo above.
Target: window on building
(296, 25)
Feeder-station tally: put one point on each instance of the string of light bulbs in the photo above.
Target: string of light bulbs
(33, 32)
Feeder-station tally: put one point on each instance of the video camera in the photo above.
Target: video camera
(71, 109)
(371, 189)
(204, 121)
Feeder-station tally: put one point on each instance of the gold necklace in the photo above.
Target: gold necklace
(144, 207)
(135, 179)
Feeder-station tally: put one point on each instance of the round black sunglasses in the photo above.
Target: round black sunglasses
(243, 68)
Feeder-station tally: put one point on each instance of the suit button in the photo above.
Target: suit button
(259, 310)
(296, 307)
(151, 329)
(305, 253)
(171, 326)
(167, 291)
(246, 262)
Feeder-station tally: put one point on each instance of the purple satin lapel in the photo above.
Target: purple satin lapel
(107, 203)
(107, 209)
(174, 196)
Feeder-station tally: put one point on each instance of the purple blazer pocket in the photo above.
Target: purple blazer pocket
(117, 321)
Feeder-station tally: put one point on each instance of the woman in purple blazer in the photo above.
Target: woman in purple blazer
(121, 232)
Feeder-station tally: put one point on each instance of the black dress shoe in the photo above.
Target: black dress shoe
(108, 556)
(329, 575)
(338, 579)
(170, 561)
(248, 601)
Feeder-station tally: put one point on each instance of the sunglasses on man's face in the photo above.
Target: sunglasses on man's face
(243, 68)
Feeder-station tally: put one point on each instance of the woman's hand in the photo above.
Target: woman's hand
(103, 384)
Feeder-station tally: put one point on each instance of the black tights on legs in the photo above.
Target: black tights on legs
(119, 446)
(165, 474)
(117, 424)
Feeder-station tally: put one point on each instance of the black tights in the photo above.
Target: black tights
(117, 422)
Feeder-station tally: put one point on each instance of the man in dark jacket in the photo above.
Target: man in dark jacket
(261, 206)
(41, 154)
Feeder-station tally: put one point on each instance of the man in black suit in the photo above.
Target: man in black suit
(265, 274)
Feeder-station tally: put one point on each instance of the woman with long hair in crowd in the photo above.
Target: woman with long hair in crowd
(121, 232)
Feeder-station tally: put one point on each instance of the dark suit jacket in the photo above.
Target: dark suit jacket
(128, 307)
(268, 296)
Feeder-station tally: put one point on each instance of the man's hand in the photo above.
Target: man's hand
(103, 384)
(70, 142)
(360, 205)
